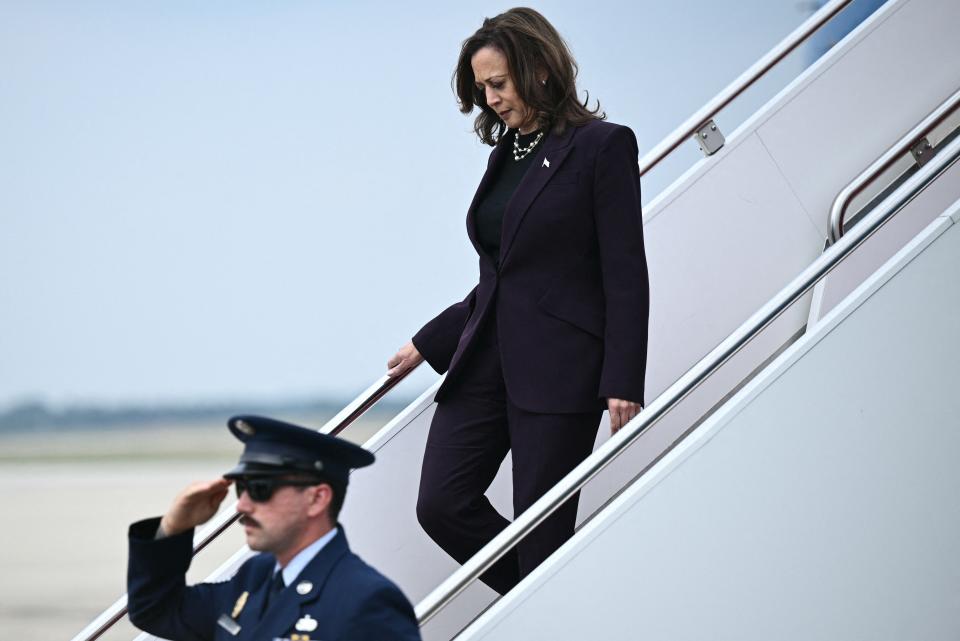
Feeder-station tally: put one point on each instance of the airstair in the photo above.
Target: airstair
(791, 474)
(818, 503)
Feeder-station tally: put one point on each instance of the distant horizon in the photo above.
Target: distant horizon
(161, 404)
(41, 417)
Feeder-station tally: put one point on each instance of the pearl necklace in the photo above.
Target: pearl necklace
(519, 153)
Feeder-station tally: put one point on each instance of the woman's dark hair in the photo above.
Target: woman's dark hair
(532, 48)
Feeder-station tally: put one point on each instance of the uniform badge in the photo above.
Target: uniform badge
(238, 606)
(304, 587)
(306, 624)
(246, 428)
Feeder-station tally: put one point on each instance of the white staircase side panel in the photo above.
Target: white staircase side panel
(897, 67)
(818, 503)
(888, 240)
(717, 239)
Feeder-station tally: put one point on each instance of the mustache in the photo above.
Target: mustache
(246, 520)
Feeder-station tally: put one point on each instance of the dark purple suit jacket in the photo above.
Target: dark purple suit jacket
(571, 293)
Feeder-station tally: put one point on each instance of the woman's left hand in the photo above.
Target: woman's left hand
(621, 411)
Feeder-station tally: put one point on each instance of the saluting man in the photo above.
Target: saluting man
(306, 585)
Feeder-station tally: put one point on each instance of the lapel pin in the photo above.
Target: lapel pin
(304, 587)
(306, 624)
(546, 163)
(238, 606)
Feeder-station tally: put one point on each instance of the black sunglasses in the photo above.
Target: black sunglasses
(260, 490)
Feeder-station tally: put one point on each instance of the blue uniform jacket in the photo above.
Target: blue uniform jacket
(337, 596)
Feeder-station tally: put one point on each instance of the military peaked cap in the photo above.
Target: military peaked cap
(273, 448)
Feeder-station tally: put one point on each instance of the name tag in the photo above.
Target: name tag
(229, 624)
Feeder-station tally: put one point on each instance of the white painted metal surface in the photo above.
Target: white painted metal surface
(887, 242)
(828, 131)
(819, 503)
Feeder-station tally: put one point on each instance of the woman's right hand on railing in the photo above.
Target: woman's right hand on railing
(404, 360)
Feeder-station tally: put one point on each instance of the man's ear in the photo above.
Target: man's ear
(320, 497)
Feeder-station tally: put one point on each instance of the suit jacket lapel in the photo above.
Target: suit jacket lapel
(284, 613)
(553, 151)
(499, 153)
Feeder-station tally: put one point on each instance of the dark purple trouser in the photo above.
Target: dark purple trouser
(472, 431)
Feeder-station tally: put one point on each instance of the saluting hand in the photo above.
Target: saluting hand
(194, 505)
(621, 412)
(404, 360)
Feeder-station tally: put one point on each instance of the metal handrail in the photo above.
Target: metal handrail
(225, 518)
(839, 207)
(606, 453)
(741, 84)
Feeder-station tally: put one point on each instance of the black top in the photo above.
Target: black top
(489, 216)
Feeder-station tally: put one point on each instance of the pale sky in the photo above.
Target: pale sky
(263, 200)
